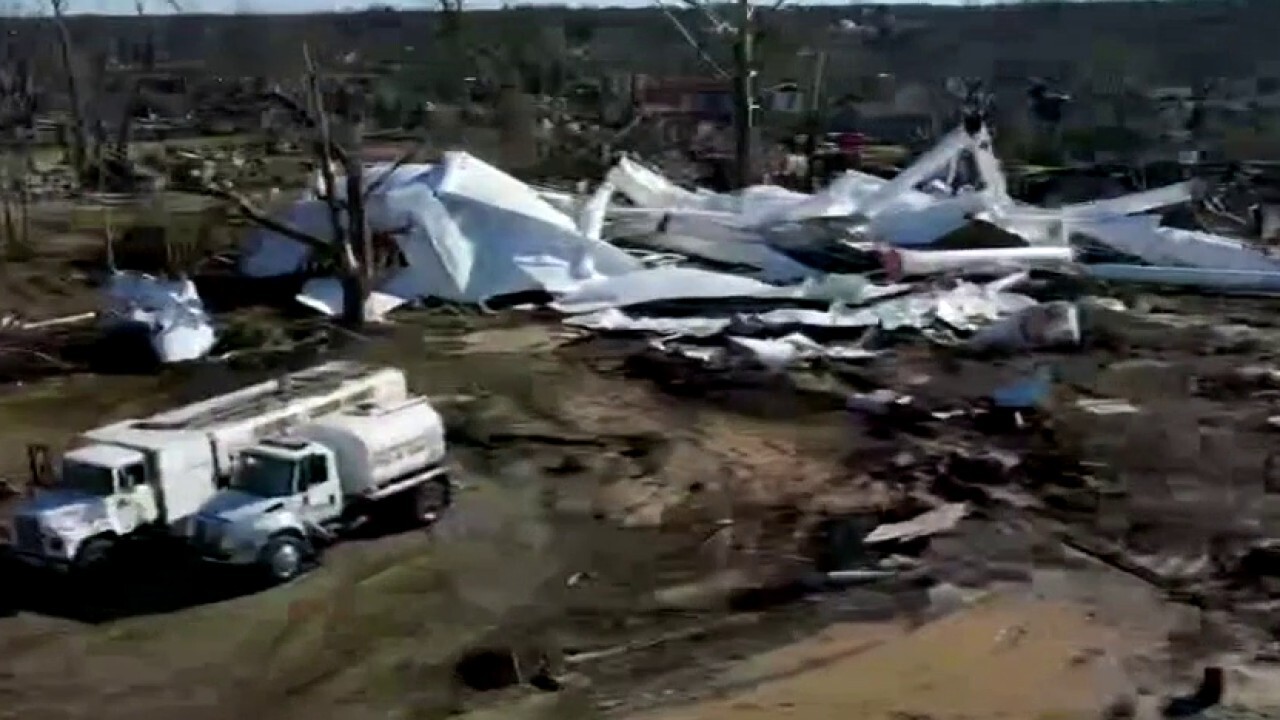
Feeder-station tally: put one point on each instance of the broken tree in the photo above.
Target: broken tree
(17, 124)
(335, 137)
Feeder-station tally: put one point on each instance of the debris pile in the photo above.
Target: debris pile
(168, 312)
(764, 276)
(767, 272)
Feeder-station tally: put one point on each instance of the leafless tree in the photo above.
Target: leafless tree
(86, 141)
(335, 135)
(17, 126)
(79, 139)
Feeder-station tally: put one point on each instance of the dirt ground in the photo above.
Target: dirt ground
(609, 522)
(1001, 658)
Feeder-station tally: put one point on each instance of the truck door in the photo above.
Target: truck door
(320, 491)
(133, 504)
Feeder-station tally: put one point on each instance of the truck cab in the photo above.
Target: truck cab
(280, 486)
(100, 492)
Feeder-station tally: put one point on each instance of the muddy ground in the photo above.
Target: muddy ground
(639, 540)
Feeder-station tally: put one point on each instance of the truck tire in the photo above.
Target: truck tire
(284, 558)
(94, 554)
(430, 499)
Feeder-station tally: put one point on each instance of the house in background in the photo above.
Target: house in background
(691, 98)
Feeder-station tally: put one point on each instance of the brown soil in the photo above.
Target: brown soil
(1001, 659)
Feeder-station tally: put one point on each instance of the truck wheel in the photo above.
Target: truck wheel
(284, 558)
(93, 555)
(430, 499)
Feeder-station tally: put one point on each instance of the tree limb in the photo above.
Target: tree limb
(405, 157)
(247, 208)
(303, 117)
(79, 129)
(693, 42)
(316, 100)
(718, 24)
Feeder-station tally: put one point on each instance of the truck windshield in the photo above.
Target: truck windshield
(91, 479)
(264, 476)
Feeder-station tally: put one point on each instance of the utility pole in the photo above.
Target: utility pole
(744, 94)
(743, 31)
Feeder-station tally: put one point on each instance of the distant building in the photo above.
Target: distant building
(705, 99)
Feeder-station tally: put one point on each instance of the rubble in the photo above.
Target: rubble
(765, 271)
(938, 520)
(168, 311)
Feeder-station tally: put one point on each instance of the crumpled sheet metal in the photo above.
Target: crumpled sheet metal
(965, 308)
(1142, 237)
(662, 283)
(722, 243)
(896, 211)
(468, 231)
(687, 283)
(900, 262)
(648, 189)
(472, 232)
(325, 296)
(269, 254)
(170, 311)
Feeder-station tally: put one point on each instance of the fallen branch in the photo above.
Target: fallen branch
(248, 209)
(410, 154)
(693, 42)
(54, 322)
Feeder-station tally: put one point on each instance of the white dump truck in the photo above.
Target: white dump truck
(294, 494)
(131, 477)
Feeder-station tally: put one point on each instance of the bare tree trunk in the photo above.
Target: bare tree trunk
(10, 184)
(79, 129)
(744, 96)
(357, 280)
(352, 273)
(24, 202)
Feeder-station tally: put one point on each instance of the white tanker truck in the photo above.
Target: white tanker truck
(124, 479)
(293, 494)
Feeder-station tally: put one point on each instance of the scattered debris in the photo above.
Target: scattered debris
(938, 520)
(1106, 406)
(168, 311)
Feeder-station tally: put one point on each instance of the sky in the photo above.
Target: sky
(303, 6)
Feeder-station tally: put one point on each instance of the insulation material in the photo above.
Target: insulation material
(170, 311)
